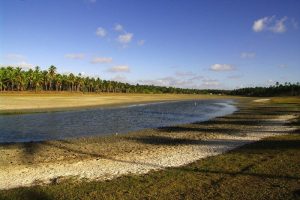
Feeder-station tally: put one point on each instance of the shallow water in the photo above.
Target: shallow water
(91, 122)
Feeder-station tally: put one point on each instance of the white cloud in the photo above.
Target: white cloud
(221, 67)
(118, 27)
(169, 81)
(270, 24)
(17, 60)
(120, 78)
(15, 57)
(260, 24)
(279, 26)
(141, 42)
(97, 60)
(125, 38)
(184, 74)
(101, 32)
(78, 56)
(198, 82)
(248, 54)
(210, 83)
(283, 66)
(22, 64)
(119, 68)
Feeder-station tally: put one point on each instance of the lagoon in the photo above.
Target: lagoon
(106, 121)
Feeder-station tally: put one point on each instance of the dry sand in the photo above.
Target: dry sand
(138, 162)
(15, 102)
(261, 100)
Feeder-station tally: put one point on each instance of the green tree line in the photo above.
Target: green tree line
(286, 89)
(17, 79)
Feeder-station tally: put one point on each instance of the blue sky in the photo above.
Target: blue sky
(194, 44)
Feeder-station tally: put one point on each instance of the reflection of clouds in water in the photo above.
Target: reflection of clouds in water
(59, 125)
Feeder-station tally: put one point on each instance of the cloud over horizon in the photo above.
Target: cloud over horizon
(195, 81)
(283, 66)
(101, 32)
(222, 67)
(97, 60)
(210, 83)
(17, 60)
(271, 24)
(75, 56)
(125, 38)
(118, 27)
(248, 55)
(16, 57)
(23, 64)
(184, 74)
(120, 78)
(119, 68)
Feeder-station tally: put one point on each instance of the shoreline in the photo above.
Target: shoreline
(138, 152)
(227, 107)
(16, 103)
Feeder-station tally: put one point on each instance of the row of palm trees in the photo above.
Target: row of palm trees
(286, 89)
(17, 79)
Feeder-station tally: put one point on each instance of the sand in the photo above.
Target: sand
(22, 102)
(261, 100)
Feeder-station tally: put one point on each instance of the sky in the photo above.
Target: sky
(224, 44)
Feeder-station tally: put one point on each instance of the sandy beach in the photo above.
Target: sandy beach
(31, 102)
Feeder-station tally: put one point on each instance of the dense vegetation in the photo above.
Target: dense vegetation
(17, 79)
(288, 89)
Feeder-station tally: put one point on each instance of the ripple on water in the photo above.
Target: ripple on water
(79, 123)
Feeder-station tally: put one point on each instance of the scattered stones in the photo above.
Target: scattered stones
(136, 162)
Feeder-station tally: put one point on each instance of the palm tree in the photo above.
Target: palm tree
(71, 80)
(58, 82)
(79, 82)
(45, 79)
(91, 84)
(52, 72)
(18, 76)
(17, 79)
(98, 85)
(37, 78)
(29, 77)
(2, 76)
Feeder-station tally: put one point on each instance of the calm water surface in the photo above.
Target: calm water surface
(69, 124)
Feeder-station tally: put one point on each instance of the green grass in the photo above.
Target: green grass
(268, 169)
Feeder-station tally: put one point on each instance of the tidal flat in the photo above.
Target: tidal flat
(268, 168)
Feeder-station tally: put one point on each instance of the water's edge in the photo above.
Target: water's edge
(107, 121)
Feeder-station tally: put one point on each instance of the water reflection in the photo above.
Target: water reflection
(59, 125)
